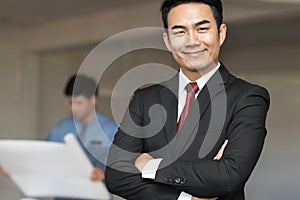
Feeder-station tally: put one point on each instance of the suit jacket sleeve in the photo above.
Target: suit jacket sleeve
(246, 133)
(122, 177)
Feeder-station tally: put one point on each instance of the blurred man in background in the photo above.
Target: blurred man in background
(93, 130)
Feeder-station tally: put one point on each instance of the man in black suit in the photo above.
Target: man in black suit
(167, 145)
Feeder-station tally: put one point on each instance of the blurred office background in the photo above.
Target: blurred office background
(43, 42)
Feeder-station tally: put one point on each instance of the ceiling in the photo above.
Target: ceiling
(28, 13)
(35, 12)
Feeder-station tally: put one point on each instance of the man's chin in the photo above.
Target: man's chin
(77, 117)
(198, 68)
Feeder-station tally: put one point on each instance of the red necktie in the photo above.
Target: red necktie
(192, 89)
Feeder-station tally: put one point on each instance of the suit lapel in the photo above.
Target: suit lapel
(215, 86)
(188, 131)
(214, 93)
(169, 101)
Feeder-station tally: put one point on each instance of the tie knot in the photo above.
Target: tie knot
(192, 87)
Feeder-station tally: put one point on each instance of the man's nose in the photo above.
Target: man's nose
(192, 39)
(73, 107)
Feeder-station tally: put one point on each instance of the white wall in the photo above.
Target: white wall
(21, 61)
(18, 75)
(34, 68)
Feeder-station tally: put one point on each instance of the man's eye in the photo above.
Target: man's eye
(178, 33)
(202, 29)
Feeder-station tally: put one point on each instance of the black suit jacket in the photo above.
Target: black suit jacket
(226, 108)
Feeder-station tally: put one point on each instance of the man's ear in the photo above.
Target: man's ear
(93, 100)
(222, 34)
(166, 40)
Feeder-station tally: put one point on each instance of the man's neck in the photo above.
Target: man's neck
(87, 119)
(195, 75)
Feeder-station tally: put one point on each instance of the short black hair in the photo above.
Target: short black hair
(215, 5)
(85, 86)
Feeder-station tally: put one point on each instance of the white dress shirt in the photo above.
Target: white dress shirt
(149, 170)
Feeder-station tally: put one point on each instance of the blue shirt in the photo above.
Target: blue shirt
(95, 137)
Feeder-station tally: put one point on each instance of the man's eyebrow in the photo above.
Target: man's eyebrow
(197, 24)
(202, 22)
(177, 26)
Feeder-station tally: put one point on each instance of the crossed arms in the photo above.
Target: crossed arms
(205, 177)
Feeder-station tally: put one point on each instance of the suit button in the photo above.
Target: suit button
(177, 180)
(168, 180)
(183, 181)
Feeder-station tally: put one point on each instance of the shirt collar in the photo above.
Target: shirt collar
(79, 124)
(183, 80)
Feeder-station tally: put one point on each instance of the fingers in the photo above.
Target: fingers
(196, 198)
(221, 151)
(97, 174)
(145, 156)
(217, 157)
(4, 172)
(142, 160)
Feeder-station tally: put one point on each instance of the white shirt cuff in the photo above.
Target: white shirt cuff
(149, 170)
(184, 196)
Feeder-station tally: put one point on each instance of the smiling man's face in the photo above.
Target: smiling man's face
(194, 38)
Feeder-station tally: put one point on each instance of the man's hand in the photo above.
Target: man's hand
(221, 151)
(217, 157)
(4, 172)
(142, 160)
(196, 198)
(97, 174)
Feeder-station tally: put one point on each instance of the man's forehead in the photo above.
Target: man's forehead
(188, 6)
(77, 97)
(191, 12)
